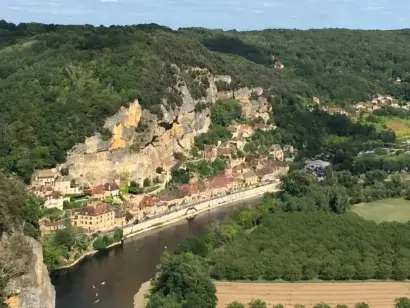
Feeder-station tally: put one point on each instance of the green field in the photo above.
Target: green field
(397, 209)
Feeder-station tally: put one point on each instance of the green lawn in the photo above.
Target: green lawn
(397, 209)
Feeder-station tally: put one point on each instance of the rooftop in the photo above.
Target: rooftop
(47, 173)
(111, 186)
(96, 210)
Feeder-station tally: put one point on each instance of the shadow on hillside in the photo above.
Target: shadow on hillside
(235, 46)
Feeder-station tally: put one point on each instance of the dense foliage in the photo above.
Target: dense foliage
(306, 246)
(59, 83)
(341, 65)
(182, 281)
(17, 208)
(63, 81)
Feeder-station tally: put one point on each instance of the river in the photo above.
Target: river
(124, 268)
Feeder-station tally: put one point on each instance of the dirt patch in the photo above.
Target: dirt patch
(397, 126)
(376, 294)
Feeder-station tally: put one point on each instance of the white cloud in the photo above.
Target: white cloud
(109, 1)
(257, 11)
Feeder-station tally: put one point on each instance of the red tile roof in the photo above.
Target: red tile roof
(221, 181)
(97, 190)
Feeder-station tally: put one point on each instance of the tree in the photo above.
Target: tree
(401, 269)
(147, 182)
(64, 237)
(134, 188)
(159, 170)
(99, 243)
(361, 305)
(257, 303)
(223, 112)
(321, 305)
(118, 234)
(179, 156)
(402, 302)
(341, 306)
(235, 305)
(185, 277)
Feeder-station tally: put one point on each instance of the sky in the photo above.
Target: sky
(221, 14)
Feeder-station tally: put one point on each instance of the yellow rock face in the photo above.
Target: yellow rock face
(133, 115)
(13, 302)
(117, 141)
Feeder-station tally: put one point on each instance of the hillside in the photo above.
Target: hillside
(58, 84)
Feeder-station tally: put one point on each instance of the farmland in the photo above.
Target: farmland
(392, 209)
(376, 294)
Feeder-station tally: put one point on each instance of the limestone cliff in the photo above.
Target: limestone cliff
(142, 141)
(33, 289)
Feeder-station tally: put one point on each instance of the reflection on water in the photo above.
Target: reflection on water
(125, 267)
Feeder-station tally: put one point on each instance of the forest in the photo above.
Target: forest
(59, 83)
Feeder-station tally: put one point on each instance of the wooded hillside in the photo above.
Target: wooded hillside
(59, 83)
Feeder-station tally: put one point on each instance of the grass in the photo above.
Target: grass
(397, 209)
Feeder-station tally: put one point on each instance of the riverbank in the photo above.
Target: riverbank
(204, 206)
(83, 256)
(139, 299)
(195, 208)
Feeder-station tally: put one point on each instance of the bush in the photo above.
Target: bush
(134, 188)
(118, 234)
(159, 170)
(147, 182)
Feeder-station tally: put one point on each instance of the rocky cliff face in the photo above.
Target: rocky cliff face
(33, 289)
(142, 141)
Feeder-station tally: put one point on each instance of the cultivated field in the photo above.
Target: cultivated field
(376, 294)
(397, 209)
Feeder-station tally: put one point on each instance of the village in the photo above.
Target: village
(120, 203)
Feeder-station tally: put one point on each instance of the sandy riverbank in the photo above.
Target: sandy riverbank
(139, 300)
(83, 256)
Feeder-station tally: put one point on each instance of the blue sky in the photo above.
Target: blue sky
(225, 14)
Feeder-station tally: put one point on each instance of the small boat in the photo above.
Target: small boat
(103, 283)
(165, 247)
(96, 294)
(96, 301)
(93, 286)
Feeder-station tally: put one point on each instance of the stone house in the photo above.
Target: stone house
(272, 171)
(62, 184)
(55, 200)
(66, 186)
(44, 177)
(111, 190)
(93, 218)
(96, 192)
(249, 178)
(42, 191)
(222, 183)
(119, 218)
(50, 227)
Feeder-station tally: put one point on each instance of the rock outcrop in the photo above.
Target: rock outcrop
(34, 289)
(142, 141)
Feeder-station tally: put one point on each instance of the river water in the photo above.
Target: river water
(124, 268)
